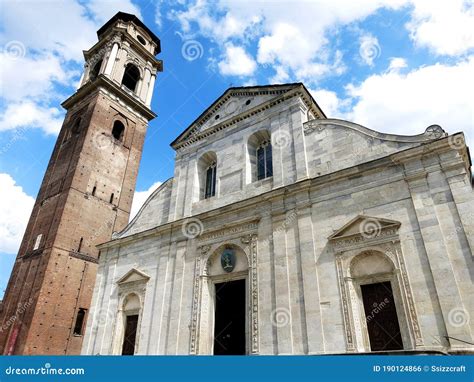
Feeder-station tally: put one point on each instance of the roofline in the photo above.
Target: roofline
(228, 90)
(130, 17)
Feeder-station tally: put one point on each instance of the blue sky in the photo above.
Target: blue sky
(392, 65)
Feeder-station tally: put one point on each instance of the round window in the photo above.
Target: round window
(141, 39)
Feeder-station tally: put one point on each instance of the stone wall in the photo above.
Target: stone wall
(299, 241)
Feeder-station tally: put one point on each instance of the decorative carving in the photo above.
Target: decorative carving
(410, 302)
(194, 345)
(246, 239)
(204, 249)
(345, 307)
(359, 238)
(435, 131)
(254, 294)
(348, 247)
(311, 126)
(227, 231)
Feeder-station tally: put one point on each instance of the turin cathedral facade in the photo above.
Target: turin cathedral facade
(282, 231)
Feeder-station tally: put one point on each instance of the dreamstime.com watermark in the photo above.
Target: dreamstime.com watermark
(44, 370)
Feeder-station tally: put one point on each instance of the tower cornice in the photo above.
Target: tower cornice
(103, 82)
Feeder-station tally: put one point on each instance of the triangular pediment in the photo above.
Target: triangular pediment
(133, 275)
(239, 103)
(367, 226)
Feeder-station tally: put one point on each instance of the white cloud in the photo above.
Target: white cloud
(397, 63)
(237, 62)
(61, 27)
(328, 101)
(32, 76)
(408, 103)
(15, 210)
(32, 115)
(293, 37)
(140, 197)
(46, 39)
(445, 27)
(297, 37)
(281, 75)
(103, 10)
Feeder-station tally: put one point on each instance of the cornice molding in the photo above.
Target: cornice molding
(104, 83)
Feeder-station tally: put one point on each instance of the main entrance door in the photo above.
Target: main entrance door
(229, 329)
(381, 317)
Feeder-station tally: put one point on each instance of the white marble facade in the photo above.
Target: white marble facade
(345, 206)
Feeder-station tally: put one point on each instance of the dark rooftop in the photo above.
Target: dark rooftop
(129, 17)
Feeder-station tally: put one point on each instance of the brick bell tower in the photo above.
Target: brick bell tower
(86, 193)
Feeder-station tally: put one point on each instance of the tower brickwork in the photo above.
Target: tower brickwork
(86, 193)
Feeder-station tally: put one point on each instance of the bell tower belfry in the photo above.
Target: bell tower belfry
(86, 193)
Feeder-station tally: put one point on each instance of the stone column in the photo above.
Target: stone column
(266, 292)
(111, 60)
(150, 89)
(145, 85)
(458, 178)
(445, 282)
(296, 125)
(281, 316)
(310, 280)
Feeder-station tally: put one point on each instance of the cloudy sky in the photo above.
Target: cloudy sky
(392, 65)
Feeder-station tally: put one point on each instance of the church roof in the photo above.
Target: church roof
(129, 17)
(228, 107)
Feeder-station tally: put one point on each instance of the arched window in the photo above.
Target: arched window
(95, 70)
(118, 130)
(260, 161)
(131, 77)
(207, 167)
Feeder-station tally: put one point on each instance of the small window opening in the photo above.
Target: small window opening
(264, 161)
(217, 116)
(76, 127)
(94, 189)
(111, 198)
(131, 77)
(248, 102)
(141, 39)
(210, 181)
(95, 70)
(118, 130)
(79, 326)
(79, 247)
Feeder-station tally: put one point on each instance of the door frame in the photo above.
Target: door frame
(397, 300)
(212, 323)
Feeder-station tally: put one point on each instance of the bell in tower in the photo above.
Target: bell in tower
(86, 193)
